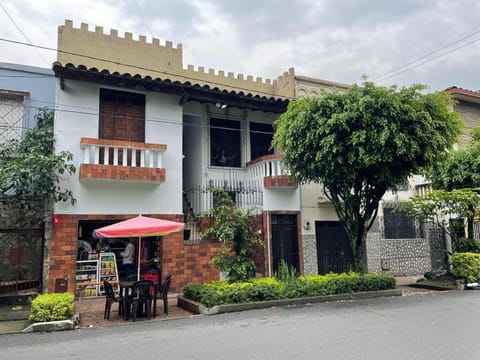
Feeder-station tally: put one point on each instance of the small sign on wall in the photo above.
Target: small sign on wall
(385, 264)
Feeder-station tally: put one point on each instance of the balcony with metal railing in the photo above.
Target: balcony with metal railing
(117, 160)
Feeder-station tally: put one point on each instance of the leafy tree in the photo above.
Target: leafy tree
(361, 143)
(461, 169)
(233, 227)
(30, 170)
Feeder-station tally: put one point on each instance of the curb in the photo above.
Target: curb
(59, 325)
(198, 308)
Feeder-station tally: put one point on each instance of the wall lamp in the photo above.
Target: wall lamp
(220, 105)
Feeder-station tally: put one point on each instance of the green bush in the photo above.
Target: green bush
(50, 307)
(463, 245)
(264, 289)
(467, 266)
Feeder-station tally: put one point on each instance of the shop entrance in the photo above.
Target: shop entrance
(95, 262)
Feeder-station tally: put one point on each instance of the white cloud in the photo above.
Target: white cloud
(337, 40)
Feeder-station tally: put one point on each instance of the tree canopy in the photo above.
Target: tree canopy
(30, 169)
(362, 142)
(461, 169)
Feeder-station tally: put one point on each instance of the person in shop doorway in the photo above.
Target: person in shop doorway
(127, 257)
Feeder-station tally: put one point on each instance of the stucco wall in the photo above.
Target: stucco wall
(38, 82)
(78, 117)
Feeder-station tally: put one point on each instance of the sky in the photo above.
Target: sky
(402, 42)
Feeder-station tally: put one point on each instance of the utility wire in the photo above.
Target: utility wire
(139, 67)
(429, 60)
(21, 32)
(150, 119)
(380, 77)
(143, 17)
(427, 55)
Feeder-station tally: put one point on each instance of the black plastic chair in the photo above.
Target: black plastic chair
(163, 294)
(132, 277)
(139, 296)
(111, 298)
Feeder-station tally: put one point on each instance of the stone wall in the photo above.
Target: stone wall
(310, 262)
(470, 113)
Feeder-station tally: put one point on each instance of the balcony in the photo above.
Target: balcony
(117, 160)
(269, 168)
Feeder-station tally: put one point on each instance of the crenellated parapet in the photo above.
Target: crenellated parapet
(115, 53)
(95, 49)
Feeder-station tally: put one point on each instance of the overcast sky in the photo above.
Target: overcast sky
(336, 40)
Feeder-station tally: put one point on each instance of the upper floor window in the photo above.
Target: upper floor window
(13, 115)
(261, 136)
(225, 143)
(122, 115)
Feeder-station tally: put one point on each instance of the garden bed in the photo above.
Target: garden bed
(198, 308)
(221, 296)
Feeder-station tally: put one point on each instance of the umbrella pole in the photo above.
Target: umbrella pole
(139, 251)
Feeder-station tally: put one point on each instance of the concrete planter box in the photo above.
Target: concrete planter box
(198, 308)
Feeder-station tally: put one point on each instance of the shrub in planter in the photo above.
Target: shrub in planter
(51, 307)
(264, 289)
(467, 266)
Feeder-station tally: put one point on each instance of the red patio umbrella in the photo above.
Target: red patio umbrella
(140, 226)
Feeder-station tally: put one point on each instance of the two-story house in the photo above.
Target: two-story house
(152, 137)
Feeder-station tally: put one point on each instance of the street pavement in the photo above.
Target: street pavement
(440, 325)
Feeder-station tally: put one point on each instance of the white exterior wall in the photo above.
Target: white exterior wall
(202, 173)
(78, 116)
(281, 199)
(312, 210)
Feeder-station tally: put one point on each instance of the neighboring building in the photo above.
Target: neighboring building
(23, 90)
(468, 106)
(395, 244)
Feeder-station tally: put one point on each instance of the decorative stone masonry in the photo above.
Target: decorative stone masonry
(310, 254)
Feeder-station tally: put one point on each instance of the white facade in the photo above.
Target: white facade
(78, 116)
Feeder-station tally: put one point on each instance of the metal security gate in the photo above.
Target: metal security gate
(284, 241)
(21, 263)
(333, 250)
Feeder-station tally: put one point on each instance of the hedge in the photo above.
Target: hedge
(51, 307)
(467, 266)
(262, 289)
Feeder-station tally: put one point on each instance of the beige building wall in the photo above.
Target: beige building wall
(126, 55)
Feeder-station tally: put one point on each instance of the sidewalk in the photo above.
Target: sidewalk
(91, 312)
(14, 319)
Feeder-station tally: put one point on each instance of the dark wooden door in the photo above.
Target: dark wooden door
(122, 117)
(333, 250)
(284, 241)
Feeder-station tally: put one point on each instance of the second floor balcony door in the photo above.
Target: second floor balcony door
(122, 117)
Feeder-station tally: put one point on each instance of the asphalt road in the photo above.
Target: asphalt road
(442, 326)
